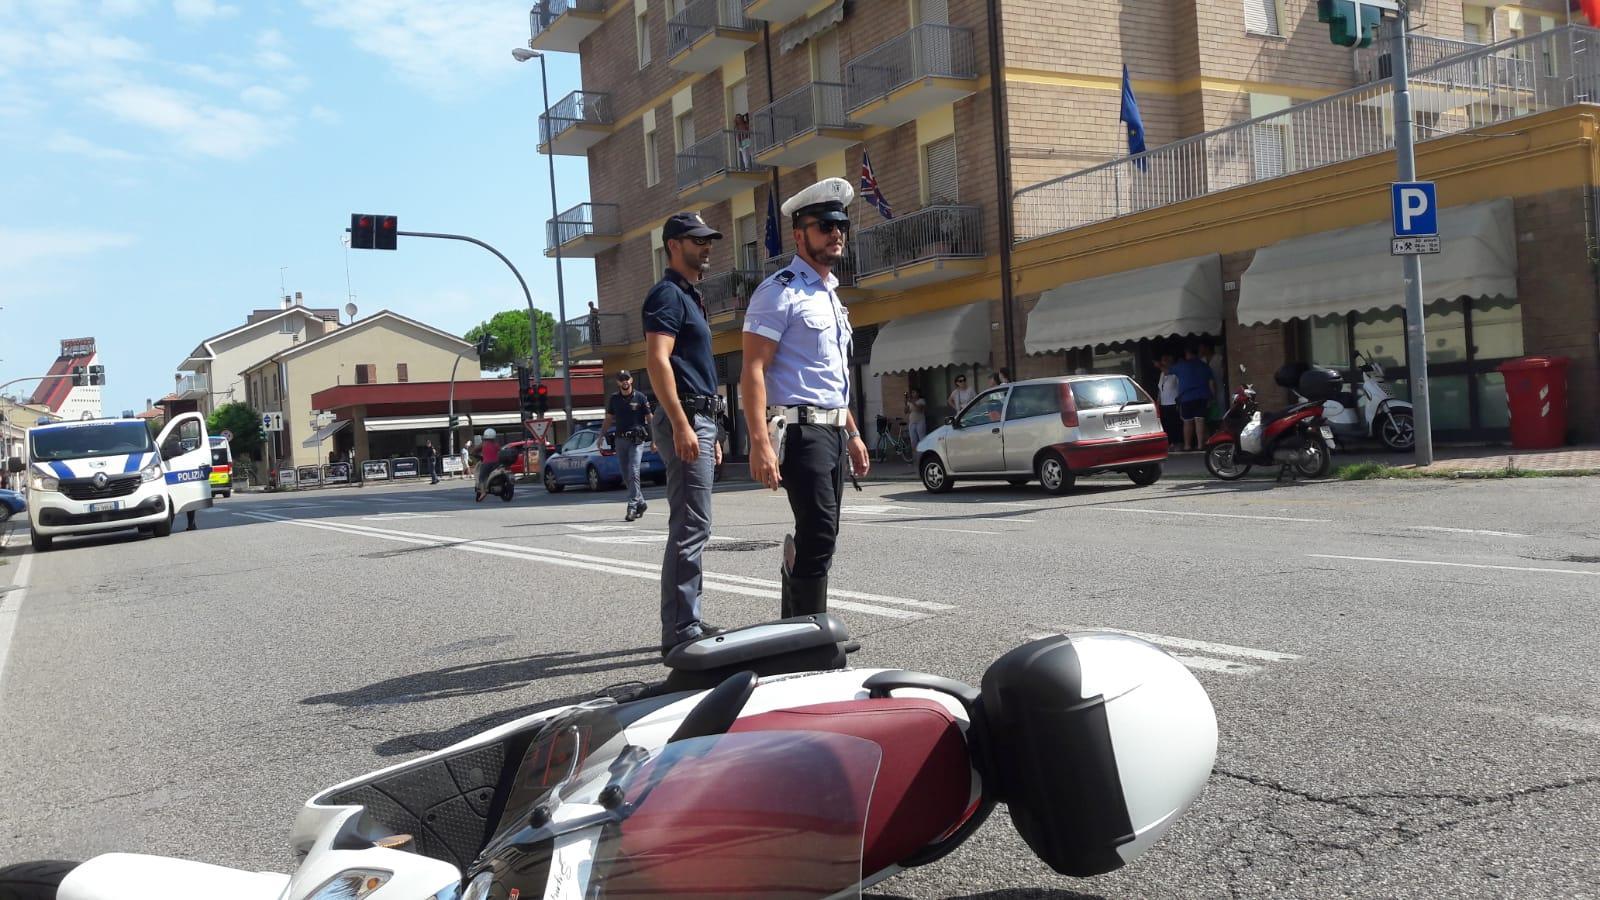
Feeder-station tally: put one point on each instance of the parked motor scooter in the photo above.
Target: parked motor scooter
(1295, 439)
(761, 767)
(1371, 411)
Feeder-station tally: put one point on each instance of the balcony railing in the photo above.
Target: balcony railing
(576, 108)
(726, 293)
(817, 105)
(192, 384)
(584, 220)
(546, 12)
(723, 152)
(926, 51)
(702, 17)
(937, 232)
(1469, 90)
(844, 269)
(611, 330)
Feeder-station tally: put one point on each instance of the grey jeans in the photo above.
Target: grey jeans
(629, 453)
(688, 527)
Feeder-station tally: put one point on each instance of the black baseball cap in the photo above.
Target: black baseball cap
(688, 225)
(624, 375)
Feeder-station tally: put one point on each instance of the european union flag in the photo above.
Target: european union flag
(1132, 118)
(774, 242)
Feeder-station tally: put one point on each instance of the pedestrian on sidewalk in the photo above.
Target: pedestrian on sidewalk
(1167, 395)
(961, 396)
(1195, 389)
(430, 461)
(916, 417)
(796, 371)
(684, 374)
(628, 412)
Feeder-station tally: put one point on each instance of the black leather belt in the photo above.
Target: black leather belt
(700, 404)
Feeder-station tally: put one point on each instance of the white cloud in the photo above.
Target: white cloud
(440, 47)
(71, 143)
(211, 76)
(269, 50)
(198, 128)
(123, 9)
(325, 115)
(23, 247)
(202, 10)
(264, 97)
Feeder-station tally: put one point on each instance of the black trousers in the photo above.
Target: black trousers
(813, 476)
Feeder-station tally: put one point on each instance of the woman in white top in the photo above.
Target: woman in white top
(961, 396)
(916, 417)
(1167, 390)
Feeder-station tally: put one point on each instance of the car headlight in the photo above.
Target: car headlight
(44, 483)
(351, 884)
(150, 473)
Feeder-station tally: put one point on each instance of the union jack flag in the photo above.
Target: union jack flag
(869, 188)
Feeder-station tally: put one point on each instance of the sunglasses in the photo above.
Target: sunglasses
(830, 227)
(700, 241)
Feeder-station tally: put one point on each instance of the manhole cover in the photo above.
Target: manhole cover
(742, 546)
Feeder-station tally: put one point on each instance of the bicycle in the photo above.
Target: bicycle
(892, 441)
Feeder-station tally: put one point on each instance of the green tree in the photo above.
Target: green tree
(510, 331)
(245, 424)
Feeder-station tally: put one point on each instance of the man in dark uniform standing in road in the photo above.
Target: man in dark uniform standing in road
(628, 412)
(684, 375)
(796, 390)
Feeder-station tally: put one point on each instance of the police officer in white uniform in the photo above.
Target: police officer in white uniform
(796, 369)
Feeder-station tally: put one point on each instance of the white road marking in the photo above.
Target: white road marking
(1225, 666)
(1464, 530)
(579, 527)
(1456, 565)
(11, 610)
(994, 519)
(1207, 663)
(399, 516)
(733, 584)
(1170, 512)
(861, 510)
(1570, 723)
(922, 528)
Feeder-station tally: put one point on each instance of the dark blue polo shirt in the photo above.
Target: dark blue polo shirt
(674, 307)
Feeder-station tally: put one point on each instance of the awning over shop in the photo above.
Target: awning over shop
(1183, 297)
(958, 336)
(475, 420)
(1350, 270)
(324, 433)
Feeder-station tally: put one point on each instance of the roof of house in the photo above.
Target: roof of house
(379, 316)
(204, 350)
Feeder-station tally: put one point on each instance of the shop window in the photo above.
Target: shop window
(1120, 361)
(1381, 335)
(1496, 328)
(1446, 327)
(1329, 340)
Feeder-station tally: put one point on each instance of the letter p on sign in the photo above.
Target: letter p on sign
(1416, 212)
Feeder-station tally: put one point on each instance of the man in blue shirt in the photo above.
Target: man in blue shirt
(796, 368)
(1195, 388)
(684, 375)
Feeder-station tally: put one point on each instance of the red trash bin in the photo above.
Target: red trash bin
(1536, 391)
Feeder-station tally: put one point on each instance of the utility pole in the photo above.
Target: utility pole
(1416, 337)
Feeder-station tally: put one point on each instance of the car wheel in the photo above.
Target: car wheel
(550, 483)
(592, 477)
(1054, 475)
(42, 542)
(1145, 475)
(5, 514)
(34, 880)
(1398, 431)
(935, 477)
(1222, 461)
(1018, 482)
(164, 529)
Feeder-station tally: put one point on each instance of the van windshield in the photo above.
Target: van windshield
(80, 441)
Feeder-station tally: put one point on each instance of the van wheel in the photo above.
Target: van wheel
(934, 475)
(1145, 475)
(163, 529)
(34, 880)
(1054, 476)
(42, 542)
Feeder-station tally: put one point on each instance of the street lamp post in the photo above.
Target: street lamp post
(523, 55)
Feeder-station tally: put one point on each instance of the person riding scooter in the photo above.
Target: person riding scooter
(488, 458)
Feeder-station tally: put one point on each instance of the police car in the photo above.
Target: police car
(103, 475)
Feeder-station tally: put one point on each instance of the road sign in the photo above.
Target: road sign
(538, 427)
(1416, 210)
(272, 421)
(1414, 246)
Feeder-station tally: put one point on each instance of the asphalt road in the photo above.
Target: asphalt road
(1404, 673)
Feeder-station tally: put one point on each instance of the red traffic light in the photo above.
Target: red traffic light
(542, 390)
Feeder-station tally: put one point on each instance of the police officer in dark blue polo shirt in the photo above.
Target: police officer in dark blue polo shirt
(684, 375)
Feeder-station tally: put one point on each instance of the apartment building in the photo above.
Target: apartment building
(711, 105)
(216, 365)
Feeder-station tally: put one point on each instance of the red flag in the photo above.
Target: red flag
(1591, 11)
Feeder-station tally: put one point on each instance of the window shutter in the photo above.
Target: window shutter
(940, 158)
(749, 243)
(1261, 16)
(361, 374)
(400, 372)
(933, 12)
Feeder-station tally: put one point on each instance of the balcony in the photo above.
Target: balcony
(608, 331)
(708, 33)
(919, 71)
(584, 231)
(803, 126)
(777, 12)
(1427, 53)
(577, 122)
(560, 25)
(726, 294)
(718, 168)
(1465, 91)
(938, 243)
(192, 387)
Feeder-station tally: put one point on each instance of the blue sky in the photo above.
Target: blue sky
(163, 159)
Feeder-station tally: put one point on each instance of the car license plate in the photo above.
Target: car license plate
(1122, 421)
(105, 507)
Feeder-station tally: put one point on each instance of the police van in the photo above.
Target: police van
(101, 475)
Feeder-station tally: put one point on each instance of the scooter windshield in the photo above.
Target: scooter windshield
(778, 814)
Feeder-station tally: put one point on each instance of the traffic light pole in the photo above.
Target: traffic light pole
(1416, 337)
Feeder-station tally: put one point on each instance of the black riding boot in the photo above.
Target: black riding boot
(808, 596)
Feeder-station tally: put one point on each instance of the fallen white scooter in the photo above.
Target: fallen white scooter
(1373, 412)
(761, 766)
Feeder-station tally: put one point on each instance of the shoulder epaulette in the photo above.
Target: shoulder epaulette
(784, 277)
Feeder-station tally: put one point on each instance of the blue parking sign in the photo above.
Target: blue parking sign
(1415, 206)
